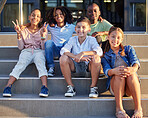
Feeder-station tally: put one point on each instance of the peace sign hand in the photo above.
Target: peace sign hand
(44, 30)
(17, 27)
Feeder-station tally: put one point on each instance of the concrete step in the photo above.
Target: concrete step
(9, 52)
(30, 105)
(141, 51)
(10, 39)
(30, 71)
(66, 117)
(136, 39)
(144, 83)
(12, 52)
(57, 85)
(144, 67)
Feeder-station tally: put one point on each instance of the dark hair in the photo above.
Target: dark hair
(107, 46)
(65, 11)
(90, 4)
(83, 19)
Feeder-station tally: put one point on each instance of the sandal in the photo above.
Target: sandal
(121, 114)
(138, 114)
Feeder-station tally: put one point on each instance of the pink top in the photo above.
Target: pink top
(31, 40)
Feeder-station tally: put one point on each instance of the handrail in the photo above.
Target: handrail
(21, 12)
(2, 4)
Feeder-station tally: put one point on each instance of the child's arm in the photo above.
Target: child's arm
(81, 56)
(96, 47)
(131, 70)
(132, 57)
(109, 71)
(100, 33)
(44, 35)
(67, 48)
(19, 35)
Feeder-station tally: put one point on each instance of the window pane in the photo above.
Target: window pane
(11, 13)
(138, 14)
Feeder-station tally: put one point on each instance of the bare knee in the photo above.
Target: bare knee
(96, 59)
(118, 79)
(132, 78)
(64, 59)
(117, 83)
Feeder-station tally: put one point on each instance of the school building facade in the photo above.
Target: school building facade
(130, 15)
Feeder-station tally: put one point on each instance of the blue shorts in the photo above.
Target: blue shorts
(81, 69)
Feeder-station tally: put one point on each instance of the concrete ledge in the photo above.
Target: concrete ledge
(10, 39)
(33, 106)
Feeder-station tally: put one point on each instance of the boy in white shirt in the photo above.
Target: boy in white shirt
(81, 53)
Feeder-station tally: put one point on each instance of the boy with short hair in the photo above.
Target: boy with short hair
(81, 53)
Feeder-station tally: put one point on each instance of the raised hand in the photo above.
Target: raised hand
(17, 27)
(44, 30)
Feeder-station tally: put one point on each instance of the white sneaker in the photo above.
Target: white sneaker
(93, 92)
(51, 72)
(70, 91)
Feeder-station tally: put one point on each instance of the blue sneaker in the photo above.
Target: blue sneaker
(7, 91)
(44, 92)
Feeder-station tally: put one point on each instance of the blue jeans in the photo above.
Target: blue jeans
(51, 51)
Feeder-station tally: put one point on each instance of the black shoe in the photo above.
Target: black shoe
(70, 91)
(93, 92)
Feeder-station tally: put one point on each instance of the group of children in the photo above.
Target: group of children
(78, 54)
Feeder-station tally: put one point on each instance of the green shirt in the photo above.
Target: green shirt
(99, 27)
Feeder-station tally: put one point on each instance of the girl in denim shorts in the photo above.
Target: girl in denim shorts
(120, 64)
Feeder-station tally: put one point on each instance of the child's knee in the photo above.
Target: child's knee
(64, 59)
(96, 59)
(118, 79)
(49, 43)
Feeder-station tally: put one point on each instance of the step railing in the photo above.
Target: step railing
(2, 4)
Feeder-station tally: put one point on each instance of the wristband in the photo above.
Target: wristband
(42, 37)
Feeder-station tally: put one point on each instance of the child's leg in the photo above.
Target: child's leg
(51, 50)
(67, 66)
(94, 67)
(11, 81)
(39, 60)
(24, 60)
(44, 80)
(118, 85)
(133, 88)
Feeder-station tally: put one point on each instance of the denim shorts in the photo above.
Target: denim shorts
(81, 69)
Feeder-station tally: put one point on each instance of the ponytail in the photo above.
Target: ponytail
(122, 52)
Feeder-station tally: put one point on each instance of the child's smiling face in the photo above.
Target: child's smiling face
(93, 12)
(59, 17)
(115, 39)
(82, 28)
(35, 17)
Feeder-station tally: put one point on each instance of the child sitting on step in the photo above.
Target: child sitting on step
(31, 41)
(81, 53)
(120, 64)
(61, 29)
